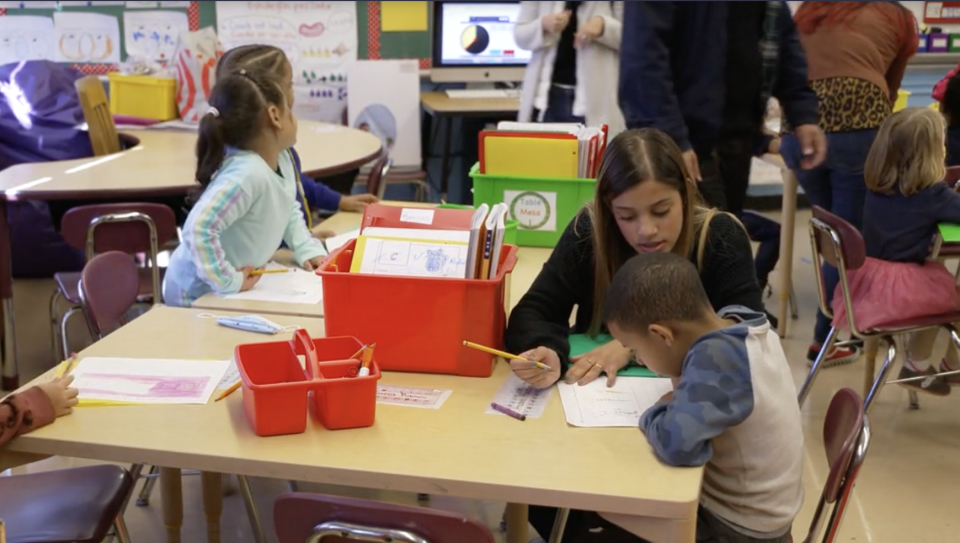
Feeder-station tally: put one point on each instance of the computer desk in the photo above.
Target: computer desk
(162, 163)
(444, 109)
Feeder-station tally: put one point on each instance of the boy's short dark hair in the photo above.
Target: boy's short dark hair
(652, 288)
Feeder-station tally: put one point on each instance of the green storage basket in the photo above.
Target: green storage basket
(510, 234)
(542, 206)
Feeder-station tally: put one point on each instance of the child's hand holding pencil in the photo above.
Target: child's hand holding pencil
(529, 366)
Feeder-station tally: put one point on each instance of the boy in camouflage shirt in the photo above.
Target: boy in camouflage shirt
(733, 406)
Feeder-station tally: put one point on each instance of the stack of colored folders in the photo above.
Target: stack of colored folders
(544, 150)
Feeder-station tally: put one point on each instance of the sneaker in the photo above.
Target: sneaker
(838, 356)
(931, 385)
(952, 380)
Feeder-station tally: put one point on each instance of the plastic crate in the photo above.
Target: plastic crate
(143, 96)
(418, 323)
(542, 206)
(510, 232)
(275, 386)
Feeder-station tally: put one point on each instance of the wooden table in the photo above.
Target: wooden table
(162, 164)
(444, 109)
(457, 450)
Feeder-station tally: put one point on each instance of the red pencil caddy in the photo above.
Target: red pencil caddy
(420, 323)
(276, 387)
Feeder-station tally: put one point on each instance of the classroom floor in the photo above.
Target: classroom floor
(907, 490)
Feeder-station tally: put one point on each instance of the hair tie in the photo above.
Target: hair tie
(243, 72)
(213, 111)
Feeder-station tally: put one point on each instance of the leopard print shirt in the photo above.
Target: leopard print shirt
(847, 104)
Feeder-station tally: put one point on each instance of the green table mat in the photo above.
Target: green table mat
(949, 232)
(582, 343)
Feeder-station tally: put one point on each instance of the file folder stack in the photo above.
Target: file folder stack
(546, 150)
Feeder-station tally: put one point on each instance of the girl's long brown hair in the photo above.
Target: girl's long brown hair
(813, 15)
(634, 157)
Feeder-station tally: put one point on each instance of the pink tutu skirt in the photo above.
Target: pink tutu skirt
(884, 293)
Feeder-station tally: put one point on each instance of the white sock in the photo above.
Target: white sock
(919, 366)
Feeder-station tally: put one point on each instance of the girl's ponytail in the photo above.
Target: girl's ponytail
(210, 147)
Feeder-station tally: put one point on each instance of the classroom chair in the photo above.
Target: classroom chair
(944, 251)
(96, 111)
(838, 243)
(77, 505)
(375, 179)
(109, 288)
(135, 228)
(312, 518)
(846, 438)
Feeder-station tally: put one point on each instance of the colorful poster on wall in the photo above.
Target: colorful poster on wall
(86, 37)
(25, 37)
(319, 38)
(153, 35)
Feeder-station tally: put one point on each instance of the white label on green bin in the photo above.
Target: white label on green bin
(533, 210)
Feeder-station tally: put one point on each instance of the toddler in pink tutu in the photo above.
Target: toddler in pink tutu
(907, 199)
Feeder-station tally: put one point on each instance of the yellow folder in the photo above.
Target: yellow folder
(530, 156)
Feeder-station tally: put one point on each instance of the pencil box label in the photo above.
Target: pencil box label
(533, 210)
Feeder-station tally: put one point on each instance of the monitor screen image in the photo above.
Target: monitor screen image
(479, 34)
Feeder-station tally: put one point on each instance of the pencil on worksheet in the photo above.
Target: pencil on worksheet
(503, 354)
(272, 270)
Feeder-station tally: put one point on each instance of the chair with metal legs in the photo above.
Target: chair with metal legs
(838, 243)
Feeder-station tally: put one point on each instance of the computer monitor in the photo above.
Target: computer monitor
(473, 43)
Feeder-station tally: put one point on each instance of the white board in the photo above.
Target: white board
(319, 38)
(384, 99)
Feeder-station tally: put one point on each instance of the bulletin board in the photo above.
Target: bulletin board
(372, 42)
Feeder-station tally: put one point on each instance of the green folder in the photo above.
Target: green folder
(582, 343)
(949, 232)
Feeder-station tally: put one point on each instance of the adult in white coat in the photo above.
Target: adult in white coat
(573, 72)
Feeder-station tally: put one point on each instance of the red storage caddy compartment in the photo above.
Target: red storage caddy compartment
(275, 386)
(418, 323)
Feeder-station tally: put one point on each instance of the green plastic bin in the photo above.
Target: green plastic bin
(542, 206)
(510, 233)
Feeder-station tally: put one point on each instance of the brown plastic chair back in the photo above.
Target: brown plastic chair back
(130, 228)
(109, 286)
(96, 111)
(846, 437)
(853, 249)
(376, 180)
(312, 518)
(953, 175)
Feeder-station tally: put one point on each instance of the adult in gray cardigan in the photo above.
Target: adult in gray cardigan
(573, 72)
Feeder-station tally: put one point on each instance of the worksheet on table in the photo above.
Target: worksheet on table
(517, 395)
(596, 405)
(294, 286)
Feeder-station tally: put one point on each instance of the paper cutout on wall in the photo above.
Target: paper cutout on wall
(142, 5)
(319, 38)
(25, 37)
(86, 37)
(153, 34)
(90, 4)
(175, 4)
(28, 5)
(403, 16)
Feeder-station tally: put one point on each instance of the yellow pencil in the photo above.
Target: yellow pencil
(229, 391)
(503, 354)
(262, 272)
(360, 352)
(66, 366)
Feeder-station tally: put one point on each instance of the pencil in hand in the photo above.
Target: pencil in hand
(272, 270)
(503, 354)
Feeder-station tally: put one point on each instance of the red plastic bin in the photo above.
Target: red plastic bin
(275, 386)
(419, 324)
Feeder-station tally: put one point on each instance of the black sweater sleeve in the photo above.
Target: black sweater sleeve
(728, 273)
(542, 318)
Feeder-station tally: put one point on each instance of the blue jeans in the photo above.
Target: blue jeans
(837, 185)
(559, 107)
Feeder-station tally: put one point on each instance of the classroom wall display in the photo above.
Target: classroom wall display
(384, 99)
(86, 37)
(25, 37)
(28, 5)
(153, 34)
(319, 38)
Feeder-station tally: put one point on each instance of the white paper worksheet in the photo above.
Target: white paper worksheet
(147, 381)
(595, 405)
(295, 286)
(517, 395)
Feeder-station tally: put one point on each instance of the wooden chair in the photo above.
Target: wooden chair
(312, 518)
(134, 228)
(78, 505)
(846, 438)
(96, 111)
(837, 242)
(109, 287)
